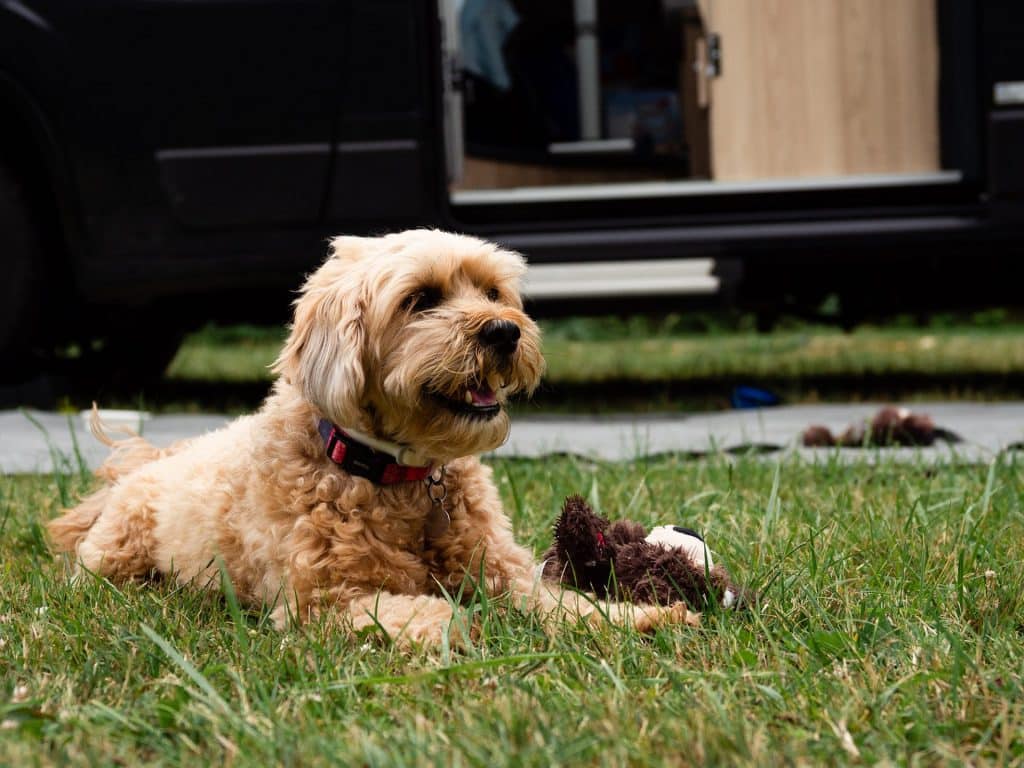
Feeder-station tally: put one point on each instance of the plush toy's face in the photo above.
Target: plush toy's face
(582, 540)
(582, 543)
(687, 541)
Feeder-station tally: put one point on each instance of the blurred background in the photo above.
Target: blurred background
(724, 203)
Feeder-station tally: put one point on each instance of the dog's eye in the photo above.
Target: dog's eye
(422, 300)
(493, 294)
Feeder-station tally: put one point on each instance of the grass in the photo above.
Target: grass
(890, 631)
(666, 349)
(815, 351)
(228, 354)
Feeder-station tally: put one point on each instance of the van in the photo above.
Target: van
(165, 163)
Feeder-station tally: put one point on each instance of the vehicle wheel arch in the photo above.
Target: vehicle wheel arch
(32, 149)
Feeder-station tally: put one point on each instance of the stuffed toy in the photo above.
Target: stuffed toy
(890, 426)
(622, 561)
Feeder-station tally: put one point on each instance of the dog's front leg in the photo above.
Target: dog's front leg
(407, 619)
(556, 604)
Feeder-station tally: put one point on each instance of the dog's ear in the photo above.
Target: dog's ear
(323, 355)
(350, 248)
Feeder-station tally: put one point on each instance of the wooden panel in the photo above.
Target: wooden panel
(824, 87)
(480, 173)
(696, 129)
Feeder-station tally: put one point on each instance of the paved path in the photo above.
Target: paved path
(32, 441)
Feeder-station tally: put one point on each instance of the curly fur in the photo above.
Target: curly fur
(294, 531)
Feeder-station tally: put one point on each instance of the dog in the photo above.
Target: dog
(355, 493)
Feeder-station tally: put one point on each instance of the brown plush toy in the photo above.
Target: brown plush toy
(889, 427)
(621, 560)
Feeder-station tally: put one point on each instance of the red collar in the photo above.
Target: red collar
(361, 460)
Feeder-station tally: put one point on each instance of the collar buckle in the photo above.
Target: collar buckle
(358, 457)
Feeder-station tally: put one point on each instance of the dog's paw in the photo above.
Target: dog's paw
(648, 618)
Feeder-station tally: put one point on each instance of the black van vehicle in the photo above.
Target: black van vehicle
(165, 162)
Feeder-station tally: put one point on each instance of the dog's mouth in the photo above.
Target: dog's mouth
(479, 400)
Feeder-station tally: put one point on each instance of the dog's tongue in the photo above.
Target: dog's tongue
(483, 395)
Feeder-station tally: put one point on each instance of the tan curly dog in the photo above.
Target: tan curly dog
(355, 492)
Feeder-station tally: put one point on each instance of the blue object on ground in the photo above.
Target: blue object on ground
(753, 397)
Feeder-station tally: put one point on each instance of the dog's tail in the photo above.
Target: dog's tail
(127, 454)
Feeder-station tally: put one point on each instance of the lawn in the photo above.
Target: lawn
(678, 362)
(668, 349)
(890, 630)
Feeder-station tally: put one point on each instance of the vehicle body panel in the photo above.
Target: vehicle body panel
(201, 146)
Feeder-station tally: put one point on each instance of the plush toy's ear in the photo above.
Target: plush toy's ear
(323, 355)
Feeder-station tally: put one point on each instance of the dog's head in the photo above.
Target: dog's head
(417, 338)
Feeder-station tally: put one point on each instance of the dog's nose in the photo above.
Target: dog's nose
(500, 335)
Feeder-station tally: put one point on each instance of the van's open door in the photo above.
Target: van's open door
(452, 95)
